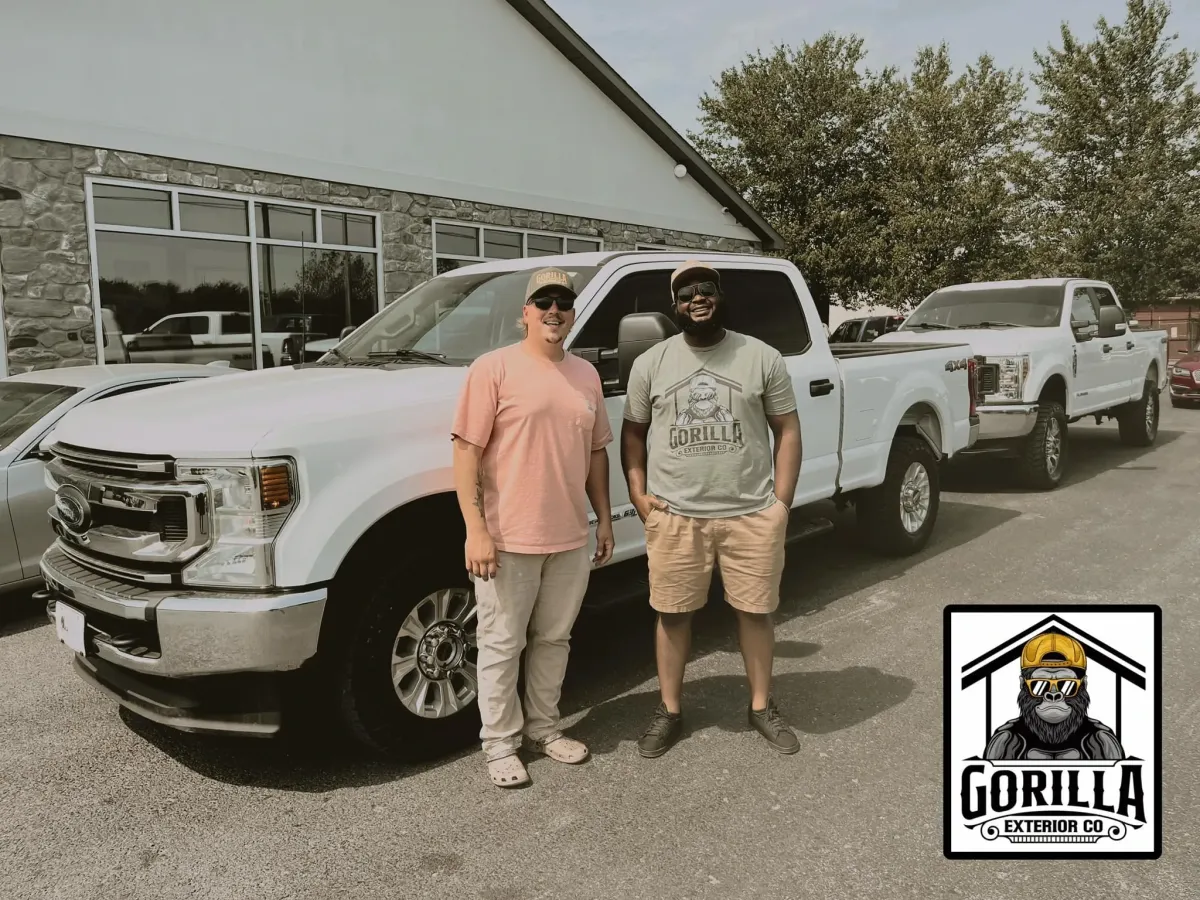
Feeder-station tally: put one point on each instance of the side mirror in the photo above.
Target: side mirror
(346, 332)
(1112, 321)
(636, 334)
(1083, 331)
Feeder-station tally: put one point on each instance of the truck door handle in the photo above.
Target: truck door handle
(820, 388)
(1129, 345)
(1108, 348)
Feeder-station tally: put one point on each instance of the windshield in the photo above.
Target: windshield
(24, 402)
(1026, 306)
(458, 317)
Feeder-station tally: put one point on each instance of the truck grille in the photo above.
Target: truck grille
(128, 465)
(989, 377)
(124, 515)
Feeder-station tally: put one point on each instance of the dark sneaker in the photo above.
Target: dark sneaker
(662, 734)
(770, 724)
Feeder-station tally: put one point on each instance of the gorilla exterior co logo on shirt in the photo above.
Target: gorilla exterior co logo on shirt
(704, 420)
(1052, 737)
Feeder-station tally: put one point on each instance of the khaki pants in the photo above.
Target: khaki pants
(531, 605)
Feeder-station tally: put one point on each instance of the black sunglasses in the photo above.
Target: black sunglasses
(704, 289)
(565, 304)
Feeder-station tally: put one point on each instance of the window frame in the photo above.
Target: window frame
(602, 285)
(480, 241)
(1094, 304)
(251, 238)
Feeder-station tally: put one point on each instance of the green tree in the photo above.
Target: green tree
(801, 134)
(958, 163)
(1120, 157)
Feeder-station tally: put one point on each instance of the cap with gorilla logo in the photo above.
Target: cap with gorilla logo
(548, 278)
(1053, 651)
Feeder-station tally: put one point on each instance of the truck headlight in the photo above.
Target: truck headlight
(1010, 385)
(1196, 375)
(1183, 372)
(249, 502)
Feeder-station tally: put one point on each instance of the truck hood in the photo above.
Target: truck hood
(235, 414)
(983, 341)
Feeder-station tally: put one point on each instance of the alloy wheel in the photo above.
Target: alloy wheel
(435, 654)
(915, 495)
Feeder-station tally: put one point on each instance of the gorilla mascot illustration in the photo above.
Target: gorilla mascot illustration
(1054, 724)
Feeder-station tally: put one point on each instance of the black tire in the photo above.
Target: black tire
(1138, 421)
(1043, 459)
(879, 511)
(365, 700)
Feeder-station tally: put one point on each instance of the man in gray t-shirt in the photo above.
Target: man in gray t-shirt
(700, 411)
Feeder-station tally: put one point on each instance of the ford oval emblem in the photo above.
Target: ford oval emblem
(74, 511)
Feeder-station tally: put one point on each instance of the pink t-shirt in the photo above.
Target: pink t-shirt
(538, 422)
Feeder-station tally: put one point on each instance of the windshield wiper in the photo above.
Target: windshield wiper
(408, 354)
(995, 325)
(930, 325)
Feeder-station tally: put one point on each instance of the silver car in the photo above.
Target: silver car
(31, 404)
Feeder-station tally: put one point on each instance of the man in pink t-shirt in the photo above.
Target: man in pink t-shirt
(529, 435)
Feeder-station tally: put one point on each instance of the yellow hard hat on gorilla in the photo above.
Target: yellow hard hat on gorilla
(1053, 651)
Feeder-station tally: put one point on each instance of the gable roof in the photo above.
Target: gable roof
(568, 42)
(1126, 668)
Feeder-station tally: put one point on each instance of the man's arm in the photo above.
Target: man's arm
(789, 451)
(779, 405)
(633, 455)
(597, 492)
(633, 463)
(635, 426)
(468, 484)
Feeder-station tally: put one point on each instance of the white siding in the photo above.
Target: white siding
(457, 98)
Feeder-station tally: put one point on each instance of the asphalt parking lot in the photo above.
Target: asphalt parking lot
(99, 805)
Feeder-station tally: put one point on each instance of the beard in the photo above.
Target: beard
(707, 328)
(1054, 733)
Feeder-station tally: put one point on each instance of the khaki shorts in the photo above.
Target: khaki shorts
(749, 549)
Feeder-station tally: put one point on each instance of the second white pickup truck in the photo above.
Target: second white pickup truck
(1053, 351)
(300, 524)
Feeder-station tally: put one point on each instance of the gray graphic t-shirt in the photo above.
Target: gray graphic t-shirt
(709, 447)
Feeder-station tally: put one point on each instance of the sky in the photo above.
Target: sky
(671, 51)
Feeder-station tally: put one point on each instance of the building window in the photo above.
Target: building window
(456, 244)
(182, 275)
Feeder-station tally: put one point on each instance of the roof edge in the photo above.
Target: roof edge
(569, 43)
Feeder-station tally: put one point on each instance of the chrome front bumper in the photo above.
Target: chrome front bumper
(177, 632)
(1004, 422)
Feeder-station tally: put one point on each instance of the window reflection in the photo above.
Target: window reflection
(285, 223)
(308, 296)
(214, 215)
(167, 296)
(117, 205)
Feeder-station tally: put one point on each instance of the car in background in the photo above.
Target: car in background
(31, 405)
(865, 329)
(1185, 379)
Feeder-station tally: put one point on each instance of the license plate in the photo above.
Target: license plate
(68, 623)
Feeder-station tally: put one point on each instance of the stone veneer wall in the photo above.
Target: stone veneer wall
(46, 263)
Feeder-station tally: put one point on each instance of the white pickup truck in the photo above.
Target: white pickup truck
(1051, 352)
(207, 336)
(214, 540)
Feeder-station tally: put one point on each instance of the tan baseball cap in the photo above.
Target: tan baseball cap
(545, 278)
(694, 266)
